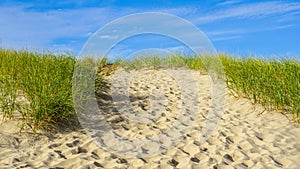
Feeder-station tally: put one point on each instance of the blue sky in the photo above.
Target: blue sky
(240, 27)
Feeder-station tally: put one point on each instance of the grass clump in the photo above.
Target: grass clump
(38, 86)
(275, 84)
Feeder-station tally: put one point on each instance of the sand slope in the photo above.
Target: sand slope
(243, 138)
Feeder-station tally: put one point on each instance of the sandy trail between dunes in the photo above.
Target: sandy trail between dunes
(241, 139)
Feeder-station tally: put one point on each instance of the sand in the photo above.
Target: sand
(245, 136)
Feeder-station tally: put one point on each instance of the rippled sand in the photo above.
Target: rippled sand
(158, 133)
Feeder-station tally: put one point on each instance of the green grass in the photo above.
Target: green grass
(275, 84)
(156, 62)
(45, 81)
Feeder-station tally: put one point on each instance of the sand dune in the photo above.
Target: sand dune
(244, 137)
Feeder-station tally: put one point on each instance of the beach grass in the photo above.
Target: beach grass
(44, 81)
(275, 84)
(156, 62)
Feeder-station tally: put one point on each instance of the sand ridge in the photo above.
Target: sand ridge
(243, 138)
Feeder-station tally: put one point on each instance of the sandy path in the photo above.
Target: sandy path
(242, 138)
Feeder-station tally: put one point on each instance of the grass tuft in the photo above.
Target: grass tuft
(39, 86)
(275, 84)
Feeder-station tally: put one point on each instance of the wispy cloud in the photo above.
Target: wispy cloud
(243, 31)
(179, 11)
(224, 32)
(221, 35)
(108, 37)
(20, 27)
(229, 2)
(23, 27)
(253, 10)
(224, 38)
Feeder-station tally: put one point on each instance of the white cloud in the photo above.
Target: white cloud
(261, 9)
(178, 50)
(223, 38)
(179, 11)
(244, 31)
(229, 2)
(39, 30)
(108, 37)
(224, 32)
(221, 35)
